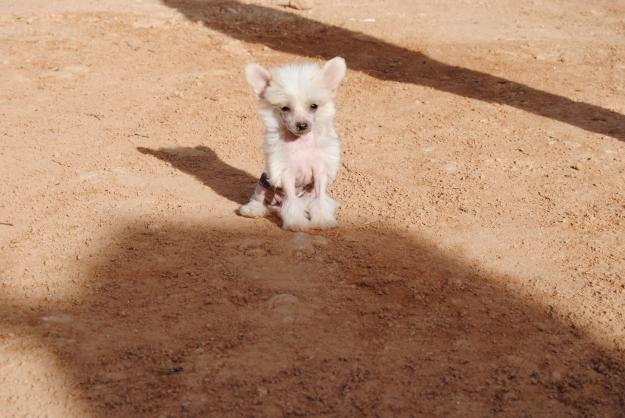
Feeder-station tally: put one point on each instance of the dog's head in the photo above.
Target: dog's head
(299, 96)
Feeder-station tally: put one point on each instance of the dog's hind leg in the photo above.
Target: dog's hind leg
(256, 207)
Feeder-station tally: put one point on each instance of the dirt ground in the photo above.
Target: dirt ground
(479, 264)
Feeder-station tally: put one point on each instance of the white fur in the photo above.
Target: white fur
(293, 214)
(254, 209)
(300, 142)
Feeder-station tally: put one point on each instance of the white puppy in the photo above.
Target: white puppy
(302, 149)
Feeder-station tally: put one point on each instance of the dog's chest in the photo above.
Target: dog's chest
(303, 155)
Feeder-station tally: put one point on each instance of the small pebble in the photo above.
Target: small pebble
(320, 240)
(171, 370)
(450, 167)
(301, 242)
(282, 299)
(58, 319)
(154, 227)
(301, 4)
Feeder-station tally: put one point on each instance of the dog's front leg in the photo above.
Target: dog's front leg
(322, 207)
(293, 210)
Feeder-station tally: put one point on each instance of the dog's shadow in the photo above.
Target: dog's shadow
(205, 165)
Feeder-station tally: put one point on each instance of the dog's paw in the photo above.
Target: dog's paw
(335, 204)
(253, 209)
(322, 213)
(293, 214)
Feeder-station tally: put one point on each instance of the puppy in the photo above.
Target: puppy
(302, 149)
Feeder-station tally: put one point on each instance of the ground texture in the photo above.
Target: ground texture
(479, 264)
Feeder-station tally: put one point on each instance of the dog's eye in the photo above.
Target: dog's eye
(285, 108)
(314, 106)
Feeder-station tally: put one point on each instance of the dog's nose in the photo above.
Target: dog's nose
(301, 126)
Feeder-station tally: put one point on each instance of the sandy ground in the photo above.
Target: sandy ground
(479, 264)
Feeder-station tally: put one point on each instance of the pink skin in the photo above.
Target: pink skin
(297, 181)
(302, 156)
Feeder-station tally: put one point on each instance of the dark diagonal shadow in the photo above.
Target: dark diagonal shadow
(294, 34)
(204, 321)
(204, 164)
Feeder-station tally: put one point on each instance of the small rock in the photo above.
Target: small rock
(351, 238)
(88, 175)
(171, 370)
(153, 227)
(301, 4)
(557, 376)
(366, 38)
(60, 74)
(301, 242)
(284, 308)
(235, 47)
(262, 391)
(58, 319)
(463, 344)
(450, 167)
(249, 244)
(572, 144)
(320, 240)
(282, 299)
(148, 23)
(255, 252)
(533, 378)
(75, 69)
(510, 396)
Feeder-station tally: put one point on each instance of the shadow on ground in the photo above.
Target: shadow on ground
(295, 34)
(201, 320)
(204, 164)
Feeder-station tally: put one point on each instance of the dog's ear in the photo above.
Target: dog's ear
(333, 72)
(257, 77)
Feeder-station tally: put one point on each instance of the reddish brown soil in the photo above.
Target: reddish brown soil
(479, 264)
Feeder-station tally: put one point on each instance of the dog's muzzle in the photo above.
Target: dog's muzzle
(301, 129)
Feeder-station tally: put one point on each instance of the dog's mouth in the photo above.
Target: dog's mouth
(294, 135)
